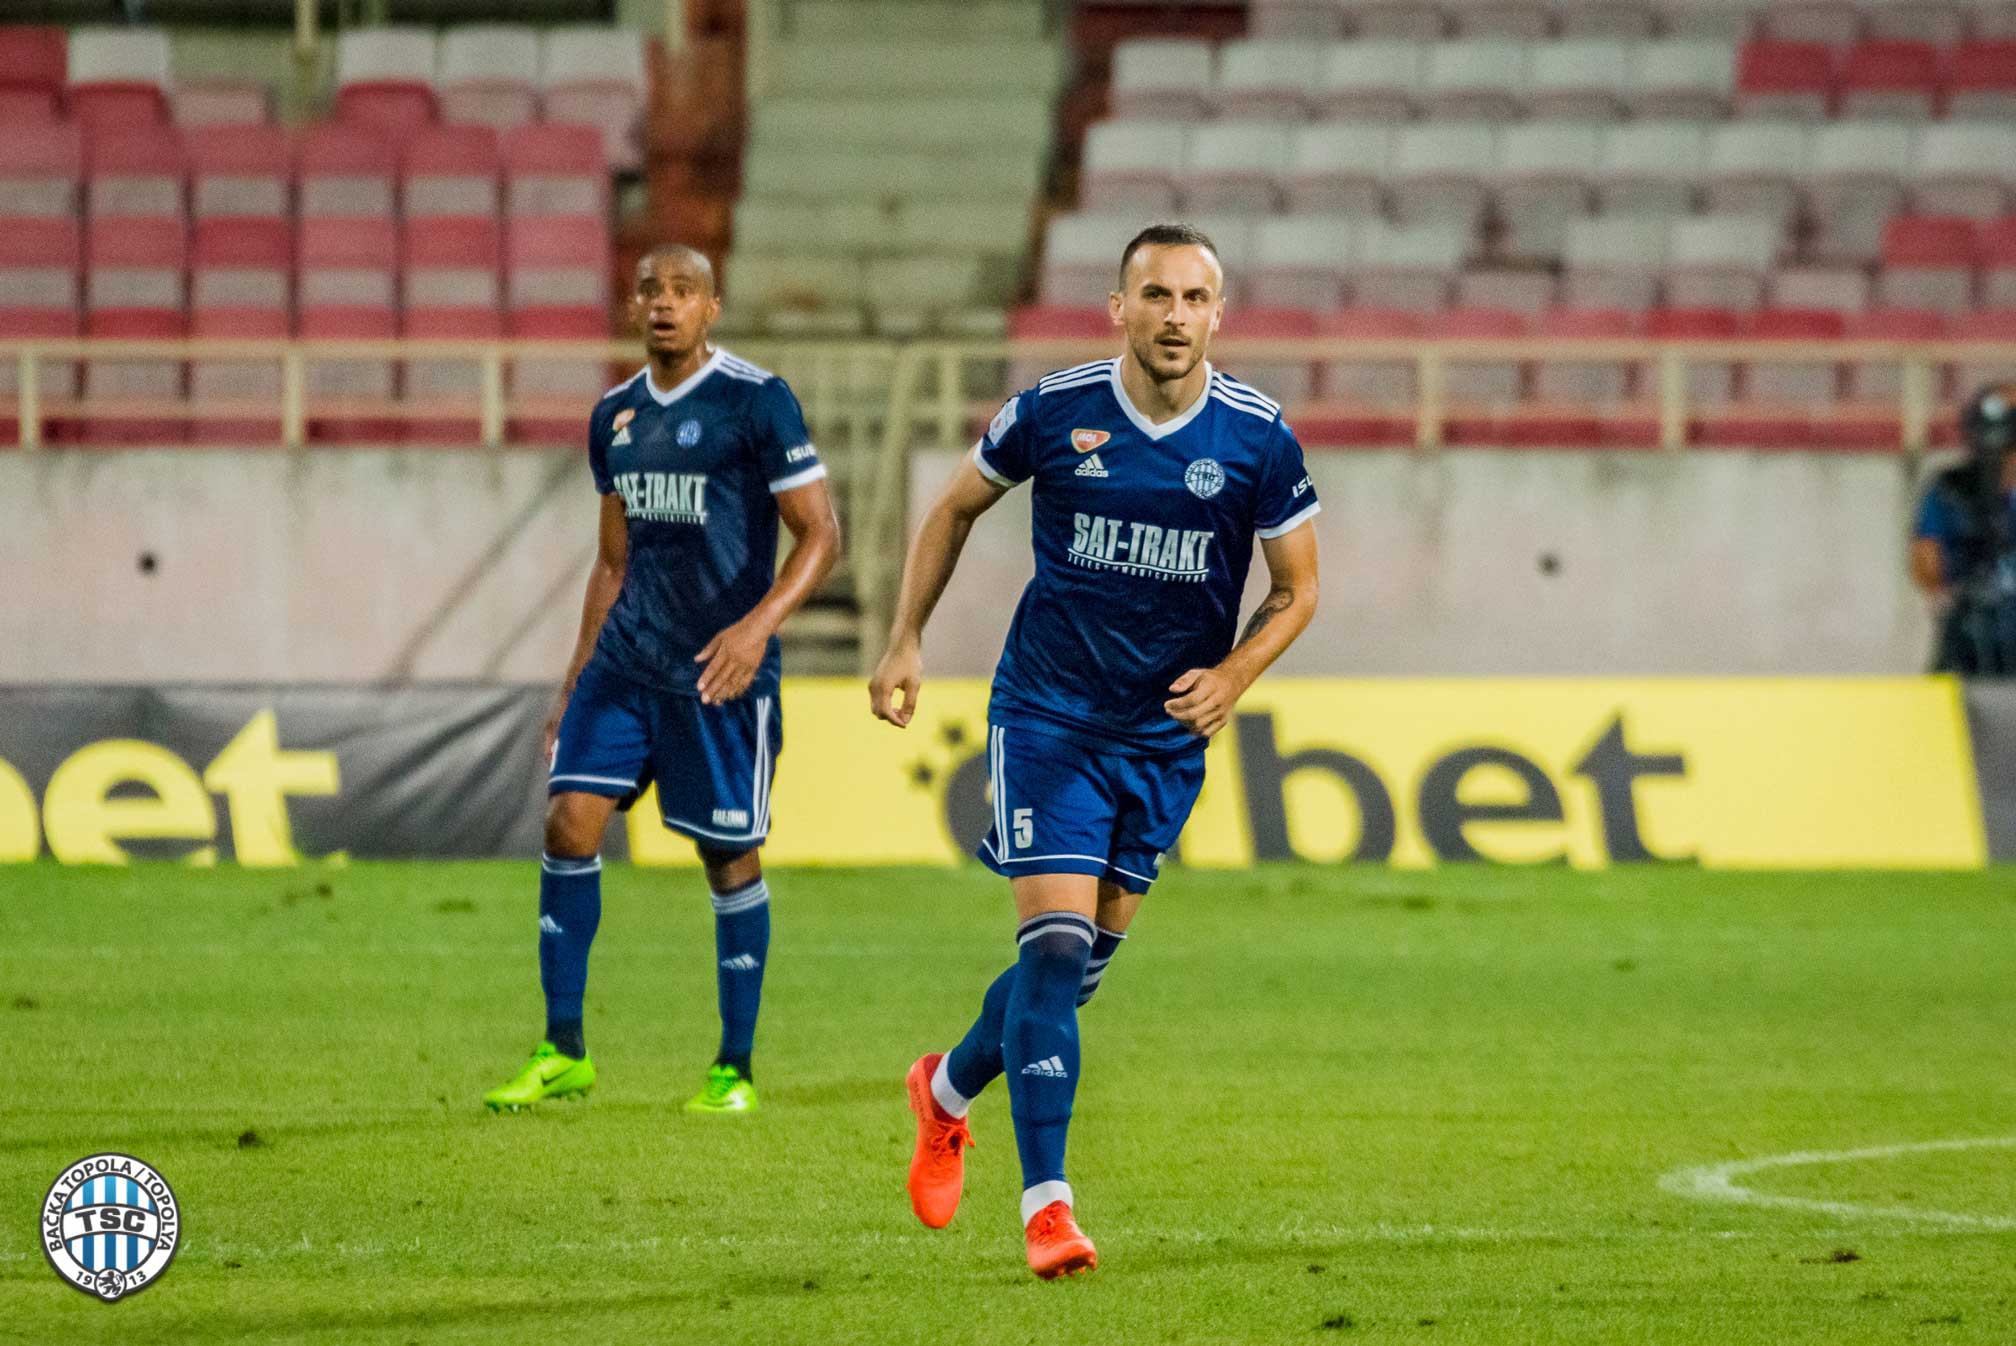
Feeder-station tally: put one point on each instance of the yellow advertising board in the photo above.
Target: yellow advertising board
(1727, 773)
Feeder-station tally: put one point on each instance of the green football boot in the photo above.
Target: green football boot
(726, 1091)
(547, 1075)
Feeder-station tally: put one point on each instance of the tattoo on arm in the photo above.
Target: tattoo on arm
(1279, 600)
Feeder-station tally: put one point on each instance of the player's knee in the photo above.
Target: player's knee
(574, 824)
(731, 869)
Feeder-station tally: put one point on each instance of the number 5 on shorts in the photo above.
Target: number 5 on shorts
(1025, 826)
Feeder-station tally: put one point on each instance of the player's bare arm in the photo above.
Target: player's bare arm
(934, 553)
(605, 581)
(1205, 697)
(733, 656)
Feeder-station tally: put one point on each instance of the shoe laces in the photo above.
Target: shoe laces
(1050, 1222)
(721, 1081)
(948, 1138)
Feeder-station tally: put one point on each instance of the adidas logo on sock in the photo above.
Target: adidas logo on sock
(741, 962)
(1051, 1067)
(549, 926)
(1092, 467)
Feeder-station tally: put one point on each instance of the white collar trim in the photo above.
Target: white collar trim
(691, 382)
(1168, 427)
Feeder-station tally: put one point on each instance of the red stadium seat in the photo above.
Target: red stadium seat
(1834, 23)
(350, 400)
(555, 170)
(1928, 262)
(240, 171)
(1988, 324)
(221, 102)
(134, 171)
(348, 264)
(27, 107)
(1783, 399)
(1785, 79)
(452, 262)
(39, 172)
(1290, 381)
(242, 264)
(1365, 402)
(558, 261)
(1479, 392)
(1581, 404)
(446, 384)
(33, 57)
(1996, 244)
(39, 262)
(111, 106)
(108, 382)
(347, 170)
(1982, 80)
(1707, 384)
(1035, 322)
(550, 397)
(451, 170)
(1890, 78)
(394, 106)
(255, 381)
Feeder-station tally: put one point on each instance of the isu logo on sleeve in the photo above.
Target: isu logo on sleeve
(110, 1225)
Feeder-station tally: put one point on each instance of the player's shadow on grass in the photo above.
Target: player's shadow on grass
(220, 1135)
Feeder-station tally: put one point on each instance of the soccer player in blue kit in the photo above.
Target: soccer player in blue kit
(1151, 474)
(674, 677)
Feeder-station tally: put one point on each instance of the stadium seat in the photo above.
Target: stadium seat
(1890, 78)
(1338, 168)
(1081, 256)
(394, 108)
(1995, 243)
(1480, 392)
(33, 57)
(240, 171)
(110, 381)
(39, 172)
(1482, 80)
(1528, 290)
(1307, 20)
(1574, 394)
(133, 289)
(220, 102)
(1931, 21)
(134, 171)
(348, 396)
(1366, 401)
(1830, 23)
(1791, 80)
(1370, 81)
(452, 262)
(1812, 384)
(1651, 167)
(548, 394)
(1845, 289)
(1709, 384)
(555, 170)
(594, 75)
(242, 264)
(1409, 19)
(1987, 324)
(1544, 168)
(1439, 170)
(1756, 168)
(256, 381)
(135, 265)
(40, 257)
(559, 261)
(450, 170)
(347, 263)
(119, 76)
(1981, 82)
(1132, 165)
(1235, 166)
(1612, 262)
(1286, 381)
(1513, 20)
(908, 295)
(486, 75)
(1262, 80)
(1856, 175)
(1398, 266)
(1620, 20)
(1964, 168)
(1036, 322)
(1682, 79)
(28, 107)
(436, 385)
(1720, 261)
(1161, 79)
(385, 76)
(1300, 260)
(348, 171)
(1584, 79)
(1878, 380)
(1928, 262)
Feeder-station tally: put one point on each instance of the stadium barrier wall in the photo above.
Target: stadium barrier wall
(1726, 773)
(370, 566)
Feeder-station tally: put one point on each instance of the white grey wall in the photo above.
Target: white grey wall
(362, 566)
(1700, 563)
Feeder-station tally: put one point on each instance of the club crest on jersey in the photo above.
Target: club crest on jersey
(1087, 440)
(1204, 478)
(689, 434)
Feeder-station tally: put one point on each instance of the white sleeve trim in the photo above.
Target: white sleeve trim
(797, 479)
(987, 468)
(1293, 522)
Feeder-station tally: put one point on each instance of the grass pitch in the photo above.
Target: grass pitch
(1323, 1105)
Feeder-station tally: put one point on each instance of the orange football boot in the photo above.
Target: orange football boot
(938, 1165)
(1057, 1246)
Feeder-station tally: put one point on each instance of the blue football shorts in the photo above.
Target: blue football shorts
(1063, 808)
(713, 765)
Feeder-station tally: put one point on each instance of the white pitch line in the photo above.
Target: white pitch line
(1713, 1182)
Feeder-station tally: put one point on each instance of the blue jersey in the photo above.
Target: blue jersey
(1143, 534)
(696, 468)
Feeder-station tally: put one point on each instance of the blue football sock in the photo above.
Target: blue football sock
(741, 948)
(1040, 1040)
(1105, 943)
(570, 909)
(976, 1061)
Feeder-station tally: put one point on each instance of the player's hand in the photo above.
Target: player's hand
(732, 659)
(553, 725)
(1204, 700)
(901, 668)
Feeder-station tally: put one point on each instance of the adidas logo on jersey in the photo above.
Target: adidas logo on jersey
(1092, 467)
(1051, 1068)
(741, 962)
(622, 438)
